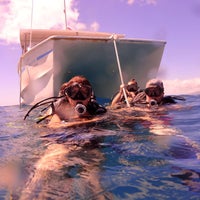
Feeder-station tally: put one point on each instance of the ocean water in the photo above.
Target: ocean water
(129, 154)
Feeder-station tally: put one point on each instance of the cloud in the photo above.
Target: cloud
(47, 14)
(130, 2)
(150, 2)
(190, 86)
(142, 2)
(94, 26)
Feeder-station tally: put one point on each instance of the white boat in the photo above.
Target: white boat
(56, 56)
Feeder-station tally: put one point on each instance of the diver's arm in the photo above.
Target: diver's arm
(118, 97)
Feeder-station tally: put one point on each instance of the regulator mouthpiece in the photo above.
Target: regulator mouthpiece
(80, 109)
(153, 103)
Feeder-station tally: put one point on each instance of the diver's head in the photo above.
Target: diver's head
(77, 90)
(154, 91)
(132, 86)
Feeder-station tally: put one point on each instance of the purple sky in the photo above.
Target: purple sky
(177, 22)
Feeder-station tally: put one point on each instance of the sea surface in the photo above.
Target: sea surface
(129, 154)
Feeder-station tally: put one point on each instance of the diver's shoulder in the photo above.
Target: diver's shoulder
(172, 99)
(140, 96)
(168, 100)
(95, 108)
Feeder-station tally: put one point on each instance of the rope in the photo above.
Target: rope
(30, 41)
(120, 71)
(65, 14)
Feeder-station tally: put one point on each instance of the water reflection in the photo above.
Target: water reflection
(69, 168)
(131, 155)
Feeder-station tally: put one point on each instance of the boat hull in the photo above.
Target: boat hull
(56, 60)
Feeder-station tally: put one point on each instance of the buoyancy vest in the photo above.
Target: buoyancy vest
(140, 98)
(63, 109)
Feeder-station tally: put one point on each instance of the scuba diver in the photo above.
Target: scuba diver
(131, 90)
(153, 95)
(75, 100)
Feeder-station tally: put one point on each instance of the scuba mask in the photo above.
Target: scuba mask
(78, 91)
(132, 87)
(154, 91)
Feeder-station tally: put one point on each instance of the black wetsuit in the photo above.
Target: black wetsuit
(122, 98)
(64, 110)
(140, 98)
(94, 108)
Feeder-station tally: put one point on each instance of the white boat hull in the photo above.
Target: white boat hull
(57, 59)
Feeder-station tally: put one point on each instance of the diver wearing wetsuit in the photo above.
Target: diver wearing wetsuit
(131, 90)
(75, 100)
(153, 95)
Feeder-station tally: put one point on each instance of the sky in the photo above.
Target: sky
(175, 21)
